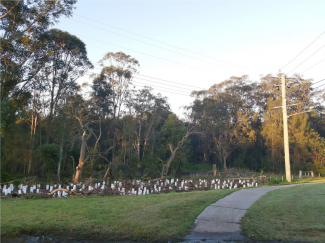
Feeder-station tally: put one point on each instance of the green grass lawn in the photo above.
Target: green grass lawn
(289, 214)
(277, 180)
(149, 218)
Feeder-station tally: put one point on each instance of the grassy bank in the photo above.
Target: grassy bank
(277, 180)
(290, 214)
(150, 218)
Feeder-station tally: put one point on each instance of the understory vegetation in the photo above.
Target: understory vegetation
(290, 214)
(52, 129)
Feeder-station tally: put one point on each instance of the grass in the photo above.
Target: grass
(277, 180)
(150, 218)
(290, 214)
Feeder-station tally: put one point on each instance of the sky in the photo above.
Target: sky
(195, 44)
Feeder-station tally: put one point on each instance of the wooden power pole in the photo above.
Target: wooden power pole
(285, 129)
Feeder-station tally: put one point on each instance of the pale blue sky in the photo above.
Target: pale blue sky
(259, 36)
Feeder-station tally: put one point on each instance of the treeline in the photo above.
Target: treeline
(49, 128)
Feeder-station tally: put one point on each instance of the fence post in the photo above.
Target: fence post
(300, 174)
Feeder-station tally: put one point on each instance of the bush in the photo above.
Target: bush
(48, 155)
(317, 167)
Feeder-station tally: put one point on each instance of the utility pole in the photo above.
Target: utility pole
(285, 129)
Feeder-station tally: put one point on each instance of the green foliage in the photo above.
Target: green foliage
(224, 113)
(317, 167)
(196, 167)
(266, 163)
(22, 44)
(5, 176)
(172, 132)
(4, 109)
(48, 155)
(151, 165)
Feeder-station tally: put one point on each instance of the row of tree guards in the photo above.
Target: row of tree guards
(118, 188)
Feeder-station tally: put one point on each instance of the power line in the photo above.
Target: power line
(320, 86)
(168, 91)
(155, 40)
(306, 59)
(146, 54)
(165, 91)
(158, 83)
(164, 84)
(154, 85)
(136, 74)
(172, 82)
(318, 81)
(313, 66)
(146, 43)
(302, 50)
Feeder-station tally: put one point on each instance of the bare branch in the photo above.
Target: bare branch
(8, 11)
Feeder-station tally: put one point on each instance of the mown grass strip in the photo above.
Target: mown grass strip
(289, 214)
(150, 218)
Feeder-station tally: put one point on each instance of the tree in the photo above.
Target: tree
(67, 61)
(80, 111)
(300, 99)
(23, 24)
(23, 55)
(225, 111)
(174, 134)
(119, 75)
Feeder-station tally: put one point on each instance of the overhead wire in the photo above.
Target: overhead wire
(319, 86)
(306, 59)
(146, 54)
(165, 91)
(171, 81)
(159, 87)
(147, 43)
(319, 81)
(154, 85)
(303, 50)
(164, 84)
(313, 66)
(155, 40)
(168, 81)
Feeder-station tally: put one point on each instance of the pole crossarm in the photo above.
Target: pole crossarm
(281, 106)
(299, 113)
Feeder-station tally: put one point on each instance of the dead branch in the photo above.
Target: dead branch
(8, 11)
(64, 190)
(106, 173)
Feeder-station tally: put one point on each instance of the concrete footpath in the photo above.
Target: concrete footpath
(220, 222)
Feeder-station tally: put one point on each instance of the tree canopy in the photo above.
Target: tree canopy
(51, 129)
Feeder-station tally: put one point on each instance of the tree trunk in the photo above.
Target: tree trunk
(82, 158)
(139, 142)
(30, 152)
(32, 137)
(74, 169)
(61, 152)
(146, 140)
(214, 170)
(225, 161)
(173, 151)
(60, 158)
(163, 171)
(171, 158)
